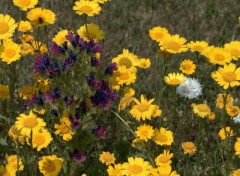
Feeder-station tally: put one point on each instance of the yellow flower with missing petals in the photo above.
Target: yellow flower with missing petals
(166, 171)
(173, 44)
(174, 79)
(227, 76)
(41, 17)
(225, 132)
(64, 129)
(144, 63)
(107, 158)
(90, 32)
(220, 101)
(24, 26)
(89, 8)
(187, 66)
(164, 159)
(115, 170)
(125, 102)
(60, 37)
(144, 132)
(197, 46)
(163, 136)
(50, 165)
(26, 92)
(10, 53)
(157, 33)
(7, 26)
(202, 110)
(4, 92)
(189, 147)
(25, 4)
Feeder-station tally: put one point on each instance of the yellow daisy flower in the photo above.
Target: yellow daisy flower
(225, 132)
(50, 165)
(166, 171)
(217, 55)
(64, 129)
(237, 147)
(189, 147)
(187, 66)
(144, 63)
(26, 92)
(197, 46)
(90, 32)
(124, 76)
(163, 136)
(115, 170)
(127, 59)
(144, 132)
(174, 79)
(4, 92)
(41, 17)
(157, 33)
(60, 37)
(28, 123)
(233, 111)
(164, 159)
(135, 167)
(128, 91)
(202, 110)
(227, 76)
(107, 158)
(40, 139)
(234, 48)
(125, 102)
(24, 26)
(220, 101)
(25, 4)
(7, 26)
(10, 53)
(143, 109)
(89, 8)
(173, 44)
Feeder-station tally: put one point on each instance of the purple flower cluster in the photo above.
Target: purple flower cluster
(113, 67)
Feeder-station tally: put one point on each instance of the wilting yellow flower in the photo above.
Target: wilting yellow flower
(89, 8)
(233, 111)
(174, 79)
(41, 17)
(162, 136)
(164, 159)
(127, 59)
(225, 132)
(135, 167)
(173, 44)
(202, 110)
(187, 66)
(234, 48)
(128, 91)
(197, 46)
(189, 147)
(50, 165)
(64, 129)
(125, 102)
(15, 134)
(25, 4)
(10, 52)
(90, 32)
(144, 63)
(107, 158)
(220, 101)
(237, 147)
(24, 26)
(40, 139)
(144, 132)
(25, 38)
(115, 170)
(60, 37)
(143, 109)
(26, 92)
(7, 26)
(4, 92)
(14, 163)
(212, 116)
(157, 33)
(26, 49)
(227, 76)
(216, 55)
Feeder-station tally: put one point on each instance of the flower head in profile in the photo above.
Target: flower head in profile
(197, 46)
(189, 147)
(90, 32)
(225, 133)
(187, 66)
(202, 110)
(234, 48)
(41, 17)
(157, 33)
(25, 4)
(107, 158)
(86, 7)
(174, 79)
(227, 76)
(14, 164)
(190, 88)
(25, 26)
(50, 165)
(7, 26)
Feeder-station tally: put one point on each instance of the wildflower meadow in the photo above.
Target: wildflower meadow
(119, 88)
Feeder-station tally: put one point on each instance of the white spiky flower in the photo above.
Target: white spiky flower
(190, 88)
(237, 118)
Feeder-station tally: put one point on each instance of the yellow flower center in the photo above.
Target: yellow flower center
(26, 2)
(229, 76)
(173, 45)
(158, 35)
(126, 62)
(186, 67)
(65, 129)
(203, 108)
(219, 57)
(3, 28)
(30, 122)
(40, 20)
(174, 82)
(86, 9)
(9, 53)
(124, 76)
(49, 166)
(144, 133)
(188, 146)
(143, 107)
(197, 48)
(235, 52)
(162, 138)
(163, 159)
(135, 169)
(39, 139)
(107, 158)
